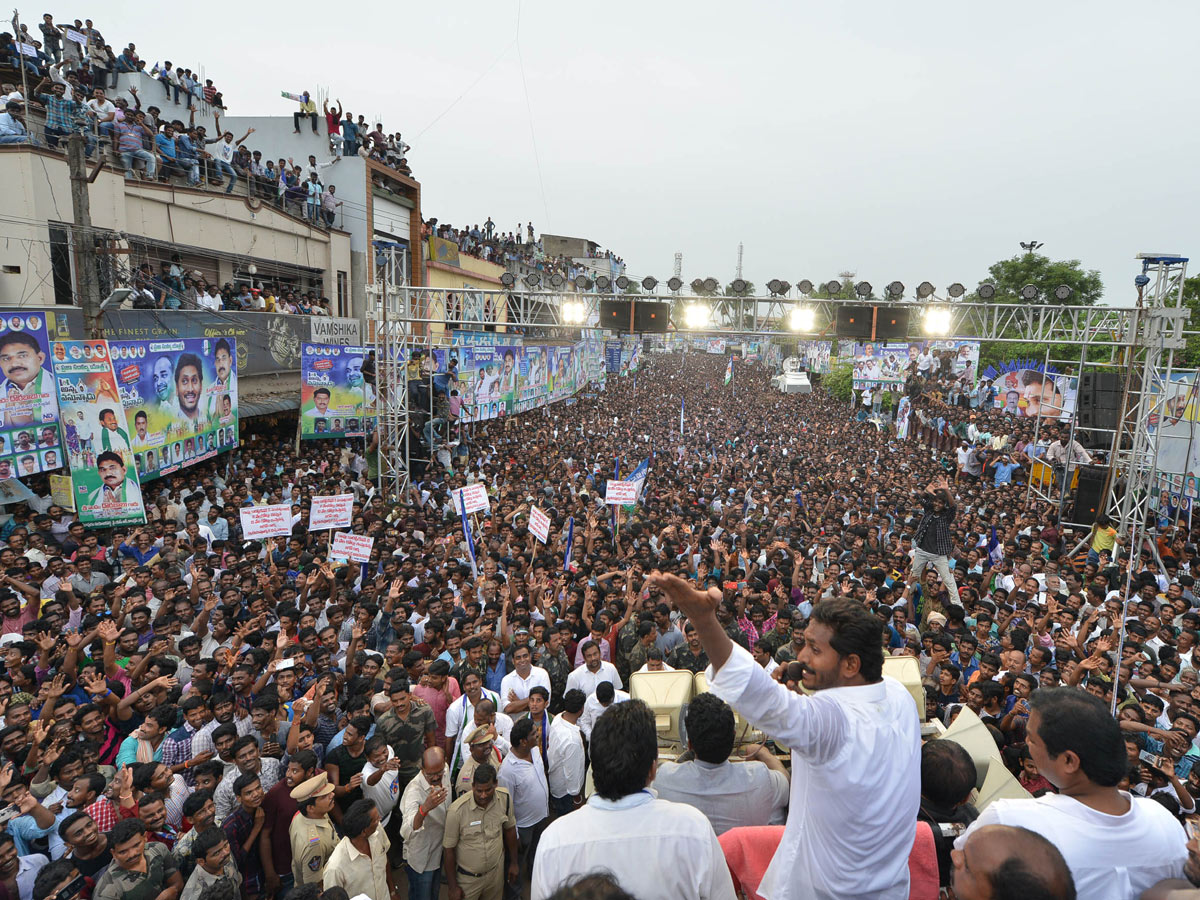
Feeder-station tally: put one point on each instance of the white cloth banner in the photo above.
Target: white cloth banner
(330, 512)
(266, 521)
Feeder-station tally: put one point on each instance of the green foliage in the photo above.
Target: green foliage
(1191, 300)
(839, 382)
(1010, 275)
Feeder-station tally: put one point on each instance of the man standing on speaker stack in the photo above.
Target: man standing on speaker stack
(933, 543)
(1065, 454)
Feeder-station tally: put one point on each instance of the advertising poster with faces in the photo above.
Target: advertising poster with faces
(104, 479)
(180, 399)
(30, 441)
(334, 396)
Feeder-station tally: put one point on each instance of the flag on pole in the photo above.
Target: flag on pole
(570, 541)
(466, 529)
(613, 515)
(729, 371)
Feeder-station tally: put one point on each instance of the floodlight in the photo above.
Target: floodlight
(804, 286)
(896, 289)
(802, 318)
(622, 282)
(924, 289)
(1062, 292)
(696, 315)
(603, 282)
(649, 283)
(833, 287)
(711, 284)
(674, 283)
(956, 290)
(986, 291)
(508, 279)
(697, 285)
(533, 279)
(784, 287)
(1029, 292)
(556, 280)
(937, 320)
(774, 286)
(863, 289)
(583, 283)
(118, 296)
(738, 285)
(573, 312)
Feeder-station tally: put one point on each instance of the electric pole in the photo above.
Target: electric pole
(83, 239)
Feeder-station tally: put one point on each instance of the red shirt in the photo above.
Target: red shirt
(279, 808)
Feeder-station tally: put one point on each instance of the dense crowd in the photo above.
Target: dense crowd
(190, 713)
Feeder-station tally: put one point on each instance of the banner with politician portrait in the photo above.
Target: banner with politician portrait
(104, 479)
(180, 399)
(29, 433)
(334, 396)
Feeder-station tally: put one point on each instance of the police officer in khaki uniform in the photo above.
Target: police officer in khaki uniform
(311, 832)
(480, 826)
(483, 750)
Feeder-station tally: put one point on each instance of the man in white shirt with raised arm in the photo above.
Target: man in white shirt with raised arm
(855, 742)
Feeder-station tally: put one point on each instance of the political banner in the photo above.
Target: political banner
(330, 512)
(620, 493)
(354, 547)
(180, 398)
(539, 524)
(612, 357)
(1026, 388)
(334, 396)
(715, 346)
(816, 355)
(104, 479)
(474, 497)
(29, 432)
(1178, 447)
(60, 492)
(259, 522)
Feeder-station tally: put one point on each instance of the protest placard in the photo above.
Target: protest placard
(539, 524)
(473, 496)
(619, 493)
(355, 547)
(266, 521)
(330, 512)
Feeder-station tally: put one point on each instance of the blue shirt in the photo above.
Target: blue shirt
(493, 677)
(1004, 472)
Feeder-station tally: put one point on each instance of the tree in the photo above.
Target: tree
(1191, 300)
(1010, 275)
(839, 382)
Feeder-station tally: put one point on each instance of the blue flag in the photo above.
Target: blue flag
(995, 549)
(570, 541)
(466, 529)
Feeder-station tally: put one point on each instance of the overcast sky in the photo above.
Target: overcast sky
(896, 140)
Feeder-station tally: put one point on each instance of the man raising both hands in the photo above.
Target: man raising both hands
(856, 749)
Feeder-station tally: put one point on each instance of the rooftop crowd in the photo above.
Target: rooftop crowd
(190, 714)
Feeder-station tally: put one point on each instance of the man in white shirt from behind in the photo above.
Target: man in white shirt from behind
(1116, 845)
(850, 825)
(595, 705)
(731, 794)
(656, 850)
(565, 755)
(524, 777)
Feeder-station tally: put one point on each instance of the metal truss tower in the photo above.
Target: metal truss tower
(390, 330)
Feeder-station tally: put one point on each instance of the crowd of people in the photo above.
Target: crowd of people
(191, 714)
(175, 287)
